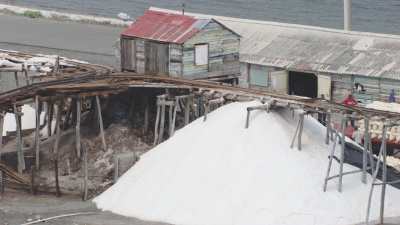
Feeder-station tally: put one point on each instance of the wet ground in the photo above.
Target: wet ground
(20, 207)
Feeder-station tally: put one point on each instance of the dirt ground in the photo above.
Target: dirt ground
(18, 208)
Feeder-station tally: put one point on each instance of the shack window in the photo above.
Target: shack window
(201, 54)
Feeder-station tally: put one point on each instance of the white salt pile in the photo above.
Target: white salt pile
(385, 106)
(218, 173)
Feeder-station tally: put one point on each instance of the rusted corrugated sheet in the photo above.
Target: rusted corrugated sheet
(165, 27)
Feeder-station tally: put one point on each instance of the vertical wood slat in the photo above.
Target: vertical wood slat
(20, 151)
(78, 127)
(100, 118)
(37, 132)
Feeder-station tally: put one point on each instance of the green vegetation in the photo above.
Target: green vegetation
(32, 14)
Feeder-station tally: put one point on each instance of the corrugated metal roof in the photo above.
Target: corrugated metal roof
(317, 49)
(165, 27)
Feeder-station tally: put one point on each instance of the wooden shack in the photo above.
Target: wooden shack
(177, 45)
(314, 61)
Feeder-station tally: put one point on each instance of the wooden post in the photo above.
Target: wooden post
(50, 111)
(33, 174)
(171, 112)
(328, 127)
(342, 149)
(146, 115)
(157, 124)
(26, 76)
(248, 118)
(78, 127)
(100, 118)
(57, 130)
(162, 125)
(187, 109)
(37, 132)
(174, 116)
(365, 152)
(20, 153)
(16, 79)
(2, 114)
(384, 176)
(300, 131)
(58, 192)
(85, 172)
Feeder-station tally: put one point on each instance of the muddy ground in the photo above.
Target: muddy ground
(20, 207)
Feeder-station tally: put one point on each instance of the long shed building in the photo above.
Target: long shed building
(314, 61)
(162, 43)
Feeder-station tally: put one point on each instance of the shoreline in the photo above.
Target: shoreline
(34, 13)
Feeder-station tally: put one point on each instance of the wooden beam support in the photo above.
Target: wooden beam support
(162, 124)
(37, 132)
(100, 118)
(16, 79)
(50, 111)
(20, 151)
(85, 173)
(78, 127)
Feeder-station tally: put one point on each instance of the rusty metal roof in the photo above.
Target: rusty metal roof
(314, 49)
(165, 27)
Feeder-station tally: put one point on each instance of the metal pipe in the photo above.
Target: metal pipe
(347, 14)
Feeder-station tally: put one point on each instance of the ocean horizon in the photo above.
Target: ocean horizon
(368, 15)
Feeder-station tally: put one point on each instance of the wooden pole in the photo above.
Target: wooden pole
(343, 142)
(85, 171)
(2, 114)
(57, 130)
(100, 118)
(20, 153)
(37, 132)
(384, 177)
(328, 127)
(187, 109)
(33, 174)
(50, 111)
(162, 125)
(58, 192)
(174, 116)
(78, 127)
(300, 131)
(365, 152)
(16, 79)
(157, 123)
(171, 112)
(26, 76)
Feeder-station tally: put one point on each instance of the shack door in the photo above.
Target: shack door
(128, 54)
(324, 86)
(157, 55)
(279, 81)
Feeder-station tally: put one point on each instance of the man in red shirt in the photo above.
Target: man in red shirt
(350, 101)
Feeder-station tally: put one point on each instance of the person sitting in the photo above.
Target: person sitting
(350, 101)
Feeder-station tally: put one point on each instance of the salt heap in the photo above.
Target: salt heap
(219, 173)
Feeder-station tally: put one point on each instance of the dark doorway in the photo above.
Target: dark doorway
(303, 84)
